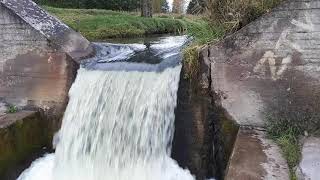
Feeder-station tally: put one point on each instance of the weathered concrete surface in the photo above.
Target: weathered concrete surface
(37, 54)
(204, 136)
(309, 168)
(256, 158)
(3, 108)
(193, 139)
(38, 62)
(273, 64)
(62, 36)
(21, 134)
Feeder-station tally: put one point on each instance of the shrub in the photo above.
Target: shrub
(234, 14)
(12, 109)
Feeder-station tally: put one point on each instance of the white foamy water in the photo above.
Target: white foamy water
(117, 126)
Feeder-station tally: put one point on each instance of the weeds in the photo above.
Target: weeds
(234, 14)
(285, 133)
(191, 63)
(12, 109)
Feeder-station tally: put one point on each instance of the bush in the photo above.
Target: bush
(12, 109)
(234, 14)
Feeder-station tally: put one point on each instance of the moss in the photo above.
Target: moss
(19, 140)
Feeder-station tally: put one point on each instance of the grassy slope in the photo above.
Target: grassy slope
(103, 24)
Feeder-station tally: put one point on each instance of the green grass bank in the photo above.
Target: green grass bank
(105, 24)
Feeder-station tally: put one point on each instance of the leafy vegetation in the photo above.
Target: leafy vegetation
(287, 122)
(12, 109)
(123, 5)
(234, 14)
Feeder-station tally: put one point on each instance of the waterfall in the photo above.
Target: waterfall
(118, 125)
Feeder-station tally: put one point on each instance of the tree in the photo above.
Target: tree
(165, 6)
(157, 6)
(177, 6)
(146, 8)
(197, 7)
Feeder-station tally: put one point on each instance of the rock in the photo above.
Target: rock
(256, 158)
(309, 167)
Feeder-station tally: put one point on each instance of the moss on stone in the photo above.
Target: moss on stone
(20, 139)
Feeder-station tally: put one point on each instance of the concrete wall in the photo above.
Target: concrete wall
(32, 72)
(268, 69)
(273, 64)
(39, 57)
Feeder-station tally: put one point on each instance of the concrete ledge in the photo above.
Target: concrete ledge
(255, 158)
(309, 168)
(21, 134)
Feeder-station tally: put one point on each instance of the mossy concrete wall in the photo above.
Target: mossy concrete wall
(21, 134)
(39, 58)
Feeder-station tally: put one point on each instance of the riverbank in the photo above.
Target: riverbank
(99, 25)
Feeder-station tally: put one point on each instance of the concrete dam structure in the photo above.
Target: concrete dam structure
(38, 64)
(210, 127)
(268, 69)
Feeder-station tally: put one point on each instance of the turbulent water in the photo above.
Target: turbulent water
(118, 125)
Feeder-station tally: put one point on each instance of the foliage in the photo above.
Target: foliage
(12, 109)
(289, 144)
(165, 6)
(288, 120)
(123, 5)
(177, 6)
(191, 61)
(197, 7)
(234, 14)
(202, 34)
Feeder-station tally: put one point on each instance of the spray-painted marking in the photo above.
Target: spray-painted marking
(284, 41)
(269, 58)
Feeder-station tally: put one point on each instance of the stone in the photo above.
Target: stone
(256, 158)
(309, 167)
(270, 65)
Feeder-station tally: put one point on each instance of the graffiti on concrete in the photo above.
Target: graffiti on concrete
(270, 58)
(285, 42)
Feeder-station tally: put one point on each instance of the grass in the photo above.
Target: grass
(105, 24)
(286, 135)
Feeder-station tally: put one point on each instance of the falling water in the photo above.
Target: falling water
(118, 125)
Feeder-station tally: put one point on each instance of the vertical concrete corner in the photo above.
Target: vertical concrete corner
(256, 158)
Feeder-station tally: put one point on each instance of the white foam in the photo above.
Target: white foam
(117, 126)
